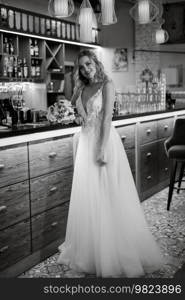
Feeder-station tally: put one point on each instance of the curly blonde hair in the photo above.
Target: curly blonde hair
(100, 75)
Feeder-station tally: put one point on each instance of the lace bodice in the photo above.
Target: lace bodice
(93, 114)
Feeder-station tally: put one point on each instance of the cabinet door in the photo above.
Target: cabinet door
(49, 226)
(14, 244)
(127, 134)
(165, 127)
(148, 167)
(163, 163)
(50, 156)
(14, 204)
(48, 191)
(148, 132)
(13, 165)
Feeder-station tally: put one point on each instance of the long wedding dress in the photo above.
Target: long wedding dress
(106, 234)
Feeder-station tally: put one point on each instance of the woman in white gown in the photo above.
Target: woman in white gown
(106, 234)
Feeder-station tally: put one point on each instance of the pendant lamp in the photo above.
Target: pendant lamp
(108, 15)
(161, 36)
(144, 11)
(86, 19)
(61, 8)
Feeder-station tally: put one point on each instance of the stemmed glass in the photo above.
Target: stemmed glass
(17, 103)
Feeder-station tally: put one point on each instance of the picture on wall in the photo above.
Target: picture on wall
(120, 60)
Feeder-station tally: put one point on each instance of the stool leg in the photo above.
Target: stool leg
(173, 170)
(180, 176)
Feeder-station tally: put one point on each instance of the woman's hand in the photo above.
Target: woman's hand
(78, 120)
(101, 158)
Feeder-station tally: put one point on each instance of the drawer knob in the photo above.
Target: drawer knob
(53, 189)
(2, 166)
(52, 154)
(148, 131)
(149, 154)
(149, 178)
(3, 249)
(54, 224)
(123, 137)
(3, 208)
(166, 127)
(166, 169)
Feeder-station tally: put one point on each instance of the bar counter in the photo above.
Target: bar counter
(34, 132)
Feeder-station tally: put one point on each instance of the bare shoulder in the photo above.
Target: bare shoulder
(108, 89)
(108, 84)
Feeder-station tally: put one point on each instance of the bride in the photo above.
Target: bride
(106, 234)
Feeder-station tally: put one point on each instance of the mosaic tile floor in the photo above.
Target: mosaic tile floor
(168, 227)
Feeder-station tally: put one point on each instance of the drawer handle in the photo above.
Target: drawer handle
(148, 131)
(3, 249)
(2, 166)
(166, 127)
(149, 154)
(166, 169)
(54, 224)
(149, 178)
(53, 189)
(123, 137)
(52, 154)
(3, 208)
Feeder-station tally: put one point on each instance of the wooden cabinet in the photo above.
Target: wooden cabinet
(48, 156)
(148, 171)
(48, 191)
(49, 226)
(15, 244)
(14, 205)
(13, 165)
(153, 171)
(127, 134)
(35, 191)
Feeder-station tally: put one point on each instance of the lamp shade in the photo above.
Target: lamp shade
(144, 11)
(87, 20)
(161, 36)
(108, 15)
(61, 8)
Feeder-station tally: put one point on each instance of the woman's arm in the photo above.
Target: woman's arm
(108, 103)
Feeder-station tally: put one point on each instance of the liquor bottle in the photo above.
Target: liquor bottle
(31, 47)
(15, 71)
(37, 68)
(6, 45)
(36, 49)
(5, 66)
(33, 68)
(19, 68)
(10, 66)
(11, 46)
(25, 68)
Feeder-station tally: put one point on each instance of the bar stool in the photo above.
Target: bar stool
(175, 150)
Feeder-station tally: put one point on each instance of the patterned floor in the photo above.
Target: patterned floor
(168, 227)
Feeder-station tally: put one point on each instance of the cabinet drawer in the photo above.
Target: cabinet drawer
(127, 134)
(50, 190)
(49, 226)
(148, 132)
(148, 180)
(14, 204)
(14, 244)
(165, 127)
(49, 156)
(149, 156)
(13, 165)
